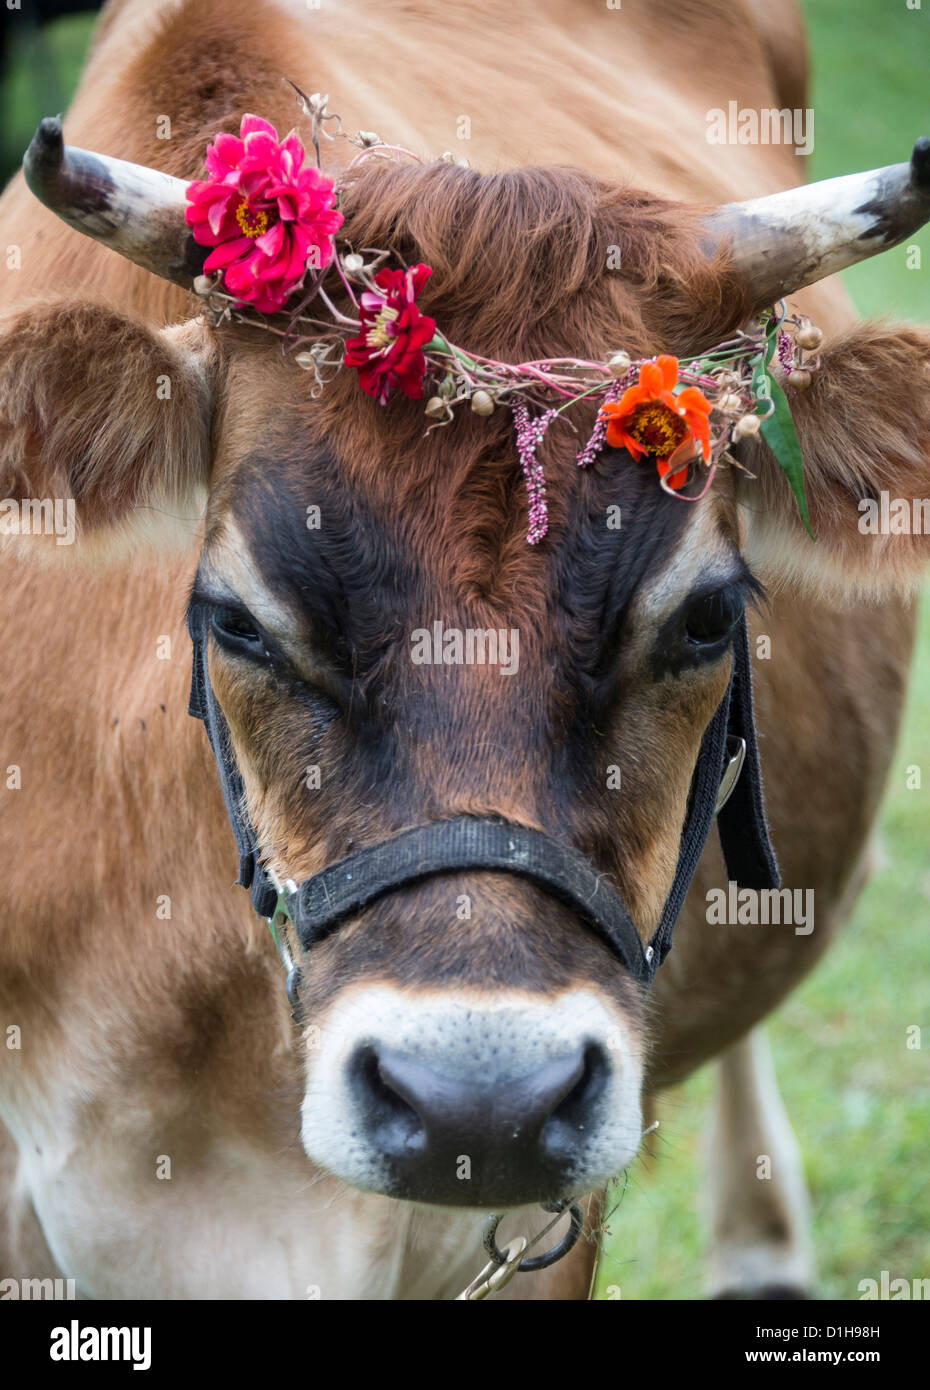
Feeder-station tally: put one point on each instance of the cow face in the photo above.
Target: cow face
(471, 1015)
(469, 1041)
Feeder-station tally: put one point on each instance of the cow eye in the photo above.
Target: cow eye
(235, 630)
(713, 617)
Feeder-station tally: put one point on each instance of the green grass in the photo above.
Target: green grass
(44, 69)
(856, 1095)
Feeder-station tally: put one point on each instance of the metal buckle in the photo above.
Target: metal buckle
(278, 923)
(736, 747)
(495, 1276)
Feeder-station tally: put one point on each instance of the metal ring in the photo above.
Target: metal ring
(548, 1257)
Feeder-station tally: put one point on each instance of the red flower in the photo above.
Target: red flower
(389, 350)
(266, 215)
(648, 419)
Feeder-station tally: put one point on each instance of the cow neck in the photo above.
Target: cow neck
(726, 782)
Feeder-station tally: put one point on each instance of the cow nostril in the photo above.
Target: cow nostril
(575, 1110)
(522, 1134)
(387, 1111)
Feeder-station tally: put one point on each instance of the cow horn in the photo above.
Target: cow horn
(778, 243)
(785, 241)
(136, 211)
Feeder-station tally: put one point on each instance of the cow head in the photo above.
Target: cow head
(469, 1040)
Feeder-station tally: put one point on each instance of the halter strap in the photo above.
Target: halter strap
(318, 906)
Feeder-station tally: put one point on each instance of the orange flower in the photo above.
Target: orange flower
(648, 419)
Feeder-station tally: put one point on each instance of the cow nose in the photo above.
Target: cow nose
(471, 1139)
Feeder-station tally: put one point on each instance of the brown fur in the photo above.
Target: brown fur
(113, 453)
(522, 256)
(175, 1032)
(874, 379)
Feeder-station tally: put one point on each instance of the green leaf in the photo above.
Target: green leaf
(781, 436)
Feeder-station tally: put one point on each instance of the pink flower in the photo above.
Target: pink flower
(265, 214)
(389, 351)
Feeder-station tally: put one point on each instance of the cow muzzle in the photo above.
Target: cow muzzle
(470, 1103)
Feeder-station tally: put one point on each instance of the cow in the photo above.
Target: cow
(168, 1129)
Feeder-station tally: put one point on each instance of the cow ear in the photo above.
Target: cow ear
(104, 429)
(864, 430)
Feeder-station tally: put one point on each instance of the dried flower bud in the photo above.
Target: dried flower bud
(482, 403)
(729, 404)
(305, 360)
(797, 325)
(799, 378)
(204, 285)
(369, 138)
(728, 380)
(746, 425)
(619, 364)
(436, 407)
(353, 263)
(810, 338)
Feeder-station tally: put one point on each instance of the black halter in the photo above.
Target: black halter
(727, 780)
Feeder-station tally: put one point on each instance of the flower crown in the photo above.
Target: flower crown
(272, 221)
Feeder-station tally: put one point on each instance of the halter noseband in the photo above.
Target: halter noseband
(726, 781)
